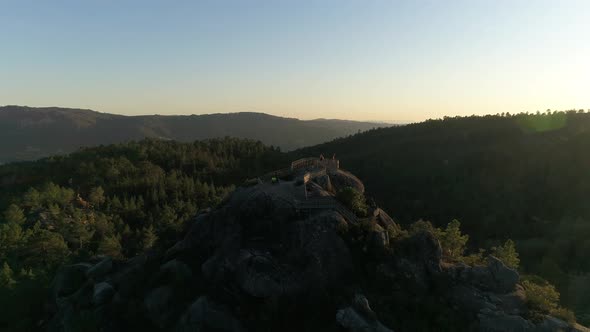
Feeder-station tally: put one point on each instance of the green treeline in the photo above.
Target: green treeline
(119, 200)
(525, 177)
(522, 177)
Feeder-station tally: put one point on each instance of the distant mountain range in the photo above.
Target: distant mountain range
(28, 133)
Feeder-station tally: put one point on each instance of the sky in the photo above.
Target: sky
(387, 60)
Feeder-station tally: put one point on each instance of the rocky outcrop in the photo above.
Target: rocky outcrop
(102, 294)
(259, 263)
(341, 179)
(360, 317)
(101, 269)
(202, 315)
(68, 280)
(495, 277)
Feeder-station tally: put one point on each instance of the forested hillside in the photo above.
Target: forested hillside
(28, 133)
(119, 200)
(521, 177)
(524, 177)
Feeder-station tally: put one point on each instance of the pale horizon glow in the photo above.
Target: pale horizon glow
(393, 61)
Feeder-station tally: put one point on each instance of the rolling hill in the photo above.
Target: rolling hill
(29, 133)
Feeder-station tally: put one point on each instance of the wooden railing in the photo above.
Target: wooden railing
(304, 162)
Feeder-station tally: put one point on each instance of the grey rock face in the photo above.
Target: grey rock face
(341, 179)
(379, 240)
(158, 303)
(552, 324)
(202, 315)
(500, 322)
(324, 182)
(384, 220)
(360, 317)
(505, 278)
(579, 328)
(495, 277)
(424, 251)
(176, 271)
(259, 275)
(69, 279)
(100, 269)
(513, 303)
(103, 292)
(262, 262)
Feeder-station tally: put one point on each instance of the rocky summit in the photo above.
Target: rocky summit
(282, 254)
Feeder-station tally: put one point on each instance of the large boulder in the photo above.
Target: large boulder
(550, 324)
(384, 220)
(470, 299)
(491, 321)
(505, 278)
(103, 292)
(69, 279)
(259, 275)
(324, 182)
(263, 261)
(203, 315)
(176, 271)
(360, 317)
(341, 179)
(495, 277)
(378, 239)
(423, 250)
(513, 303)
(158, 304)
(99, 270)
(130, 277)
(579, 328)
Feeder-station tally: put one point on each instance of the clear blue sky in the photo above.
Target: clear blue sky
(366, 60)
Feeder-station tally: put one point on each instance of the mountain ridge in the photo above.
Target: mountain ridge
(34, 132)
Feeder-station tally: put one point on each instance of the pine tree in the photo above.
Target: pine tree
(54, 210)
(96, 196)
(507, 254)
(140, 202)
(81, 233)
(45, 248)
(32, 199)
(11, 235)
(28, 274)
(15, 215)
(116, 203)
(451, 240)
(6, 276)
(148, 238)
(110, 246)
(154, 196)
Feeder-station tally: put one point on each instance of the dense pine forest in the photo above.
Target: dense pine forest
(118, 200)
(523, 177)
(516, 184)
